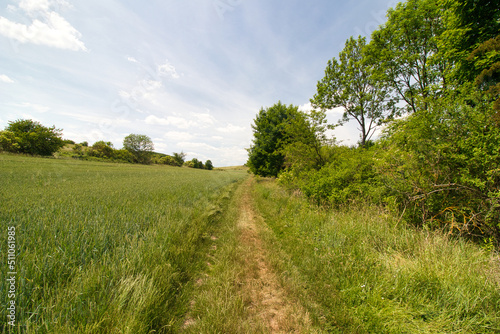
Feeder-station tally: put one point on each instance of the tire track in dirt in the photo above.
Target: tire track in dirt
(267, 300)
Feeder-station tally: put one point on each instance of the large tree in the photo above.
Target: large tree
(270, 137)
(349, 83)
(141, 146)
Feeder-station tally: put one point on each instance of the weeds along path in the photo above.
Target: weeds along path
(260, 287)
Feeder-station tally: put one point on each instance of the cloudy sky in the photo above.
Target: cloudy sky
(190, 74)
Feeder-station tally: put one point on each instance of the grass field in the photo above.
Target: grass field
(105, 248)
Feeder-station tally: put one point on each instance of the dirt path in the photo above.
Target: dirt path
(260, 287)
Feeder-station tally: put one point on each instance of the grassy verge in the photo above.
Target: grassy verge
(105, 248)
(358, 271)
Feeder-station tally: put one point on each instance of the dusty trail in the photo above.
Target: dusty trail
(260, 287)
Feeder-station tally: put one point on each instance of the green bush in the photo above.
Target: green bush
(194, 163)
(31, 137)
(442, 166)
(168, 160)
(8, 141)
(123, 155)
(348, 178)
(101, 149)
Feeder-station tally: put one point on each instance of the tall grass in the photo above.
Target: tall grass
(358, 271)
(105, 248)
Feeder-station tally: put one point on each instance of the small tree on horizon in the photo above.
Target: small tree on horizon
(141, 146)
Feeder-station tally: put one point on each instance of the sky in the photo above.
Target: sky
(192, 74)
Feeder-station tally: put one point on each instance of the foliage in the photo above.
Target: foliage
(307, 139)
(194, 163)
(209, 165)
(8, 141)
(101, 149)
(179, 158)
(168, 160)
(349, 177)
(486, 59)
(406, 51)
(31, 137)
(469, 24)
(443, 165)
(123, 155)
(270, 137)
(349, 83)
(141, 147)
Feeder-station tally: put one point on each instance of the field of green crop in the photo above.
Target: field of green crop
(103, 247)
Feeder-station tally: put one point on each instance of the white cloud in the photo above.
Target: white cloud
(198, 146)
(132, 60)
(230, 128)
(168, 69)
(203, 118)
(306, 107)
(47, 28)
(335, 111)
(179, 136)
(150, 85)
(179, 122)
(32, 106)
(34, 5)
(5, 79)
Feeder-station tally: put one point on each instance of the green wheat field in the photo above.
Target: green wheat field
(105, 247)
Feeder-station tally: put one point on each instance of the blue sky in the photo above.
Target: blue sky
(191, 75)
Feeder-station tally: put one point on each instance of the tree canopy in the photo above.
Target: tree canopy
(141, 146)
(270, 137)
(349, 83)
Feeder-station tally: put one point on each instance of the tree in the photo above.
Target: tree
(406, 51)
(194, 163)
(307, 140)
(270, 137)
(33, 138)
(179, 158)
(141, 146)
(349, 83)
(209, 165)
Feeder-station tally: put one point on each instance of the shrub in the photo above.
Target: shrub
(349, 177)
(123, 155)
(442, 166)
(101, 149)
(169, 160)
(31, 137)
(8, 141)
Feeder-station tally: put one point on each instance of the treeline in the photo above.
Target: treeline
(429, 80)
(31, 137)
